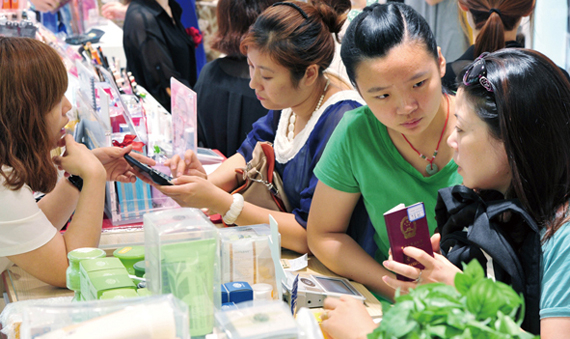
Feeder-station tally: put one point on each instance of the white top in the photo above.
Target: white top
(23, 226)
(286, 150)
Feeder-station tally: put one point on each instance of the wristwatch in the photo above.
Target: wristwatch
(76, 181)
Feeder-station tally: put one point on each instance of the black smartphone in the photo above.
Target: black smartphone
(157, 177)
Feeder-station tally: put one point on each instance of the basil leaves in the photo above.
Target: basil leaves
(477, 307)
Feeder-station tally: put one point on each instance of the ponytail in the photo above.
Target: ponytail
(492, 35)
(493, 18)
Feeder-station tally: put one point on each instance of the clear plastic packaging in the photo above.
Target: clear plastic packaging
(246, 255)
(156, 317)
(258, 320)
(182, 258)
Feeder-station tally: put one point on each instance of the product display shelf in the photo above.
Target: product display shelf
(22, 286)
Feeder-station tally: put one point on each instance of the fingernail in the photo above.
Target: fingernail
(385, 262)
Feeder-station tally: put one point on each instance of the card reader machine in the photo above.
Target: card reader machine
(312, 290)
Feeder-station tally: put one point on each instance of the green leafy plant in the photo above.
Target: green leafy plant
(477, 307)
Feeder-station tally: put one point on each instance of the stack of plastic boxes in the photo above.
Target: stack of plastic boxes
(182, 256)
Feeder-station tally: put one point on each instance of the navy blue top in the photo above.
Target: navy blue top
(299, 182)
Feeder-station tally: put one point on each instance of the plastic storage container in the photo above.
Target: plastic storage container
(258, 320)
(155, 317)
(246, 255)
(182, 256)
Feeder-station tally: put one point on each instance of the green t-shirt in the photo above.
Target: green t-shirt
(361, 158)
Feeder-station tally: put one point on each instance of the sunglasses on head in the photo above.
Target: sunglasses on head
(477, 73)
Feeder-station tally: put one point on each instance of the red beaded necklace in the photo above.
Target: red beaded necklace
(432, 168)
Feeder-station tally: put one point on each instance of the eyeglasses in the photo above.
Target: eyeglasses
(477, 73)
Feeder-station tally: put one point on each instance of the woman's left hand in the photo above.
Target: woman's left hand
(115, 164)
(346, 317)
(437, 269)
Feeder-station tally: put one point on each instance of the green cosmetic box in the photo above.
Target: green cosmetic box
(103, 274)
(129, 255)
(122, 293)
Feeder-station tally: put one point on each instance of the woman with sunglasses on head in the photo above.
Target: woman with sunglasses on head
(287, 49)
(511, 136)
(33, 108)
(391, 151)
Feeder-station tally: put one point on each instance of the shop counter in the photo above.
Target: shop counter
(20, 285)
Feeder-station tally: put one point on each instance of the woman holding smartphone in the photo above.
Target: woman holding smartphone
(287, 48)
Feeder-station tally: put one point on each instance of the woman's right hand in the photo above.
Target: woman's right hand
(78, 160)
(190, 165)
(346, 318)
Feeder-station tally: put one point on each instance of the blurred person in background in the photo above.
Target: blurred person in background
(227, 106)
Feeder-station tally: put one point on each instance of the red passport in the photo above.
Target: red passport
(407, 226)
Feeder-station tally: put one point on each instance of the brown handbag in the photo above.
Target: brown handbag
(259, 183)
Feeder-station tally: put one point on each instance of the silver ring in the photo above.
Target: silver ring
(419, 278)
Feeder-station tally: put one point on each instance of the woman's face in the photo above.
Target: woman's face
(482, 159)
(403, 88)
(272, 82)
(56, 119)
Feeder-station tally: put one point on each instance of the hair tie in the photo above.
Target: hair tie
(290, 4)
(494, 10)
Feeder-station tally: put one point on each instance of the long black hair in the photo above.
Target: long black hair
(529, 111)
(379, 28)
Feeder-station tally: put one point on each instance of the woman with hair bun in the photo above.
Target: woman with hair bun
(495, 24)
(287, 49)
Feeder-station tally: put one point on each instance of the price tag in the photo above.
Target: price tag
(416, 212)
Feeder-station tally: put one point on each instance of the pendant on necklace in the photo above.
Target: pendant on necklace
(431, 169)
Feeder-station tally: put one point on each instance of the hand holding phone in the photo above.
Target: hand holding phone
(156, 176)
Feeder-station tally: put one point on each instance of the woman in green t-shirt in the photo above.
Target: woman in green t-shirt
(391, 151)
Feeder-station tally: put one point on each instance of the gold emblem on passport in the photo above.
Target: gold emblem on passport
(408, 228)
